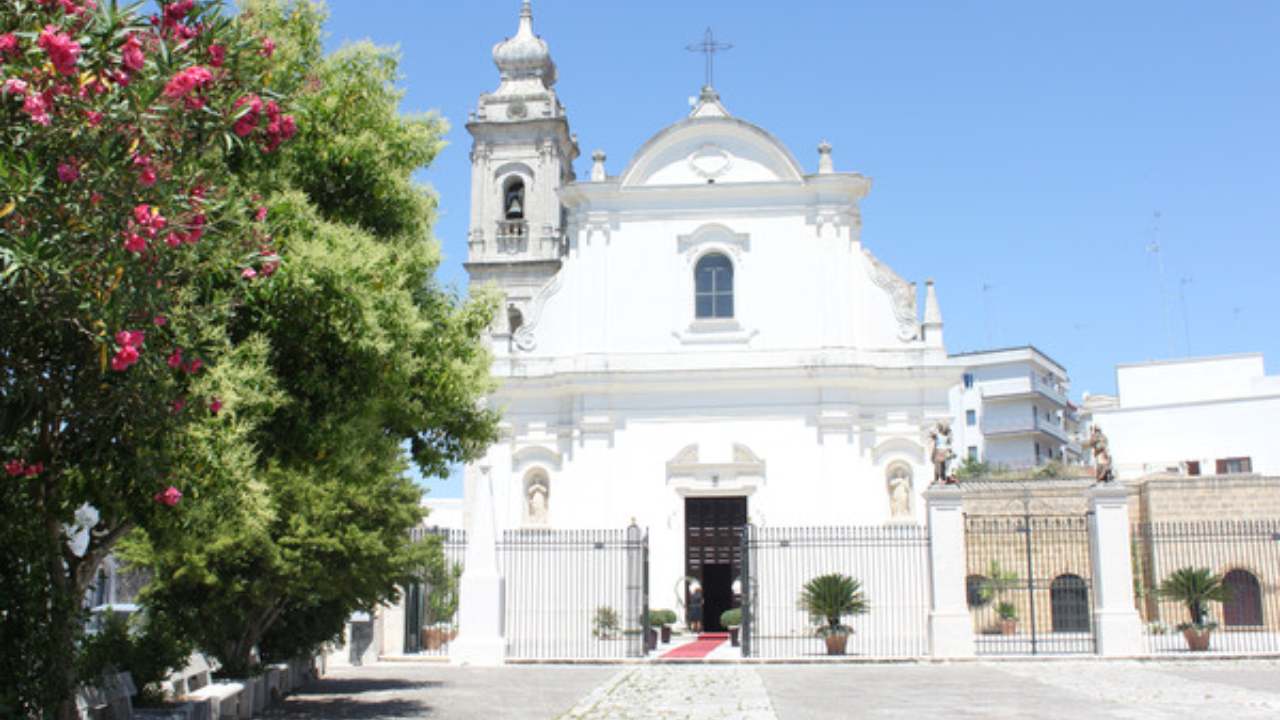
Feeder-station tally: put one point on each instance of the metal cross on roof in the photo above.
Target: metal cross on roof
(709, 47)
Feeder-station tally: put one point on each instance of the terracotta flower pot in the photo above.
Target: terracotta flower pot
(434, 638)
(836, 643)
(1008, 627)
(1197, 640)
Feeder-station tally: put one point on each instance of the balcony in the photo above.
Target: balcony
(1022, 387)
(512, 236)
(1024, 426)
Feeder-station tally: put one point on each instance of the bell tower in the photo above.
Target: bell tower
(522, 153)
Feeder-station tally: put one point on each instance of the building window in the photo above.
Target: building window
(970, 417)
(973, 453)
(1235, 466)
(1193, 467)
(713, 286)
(1069, 604)
(968, 380)
(1243, 608)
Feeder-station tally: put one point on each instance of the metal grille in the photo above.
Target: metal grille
(891, 563)
(574, 594)
(1029, 582)
(1245, 553)
(431, 605)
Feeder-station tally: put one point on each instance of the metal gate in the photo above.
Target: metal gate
(891, 564)
(1242, 555)
(1029, 582)
(575, 594)
(431, 603)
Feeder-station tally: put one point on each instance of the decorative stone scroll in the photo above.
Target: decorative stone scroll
(901, 296)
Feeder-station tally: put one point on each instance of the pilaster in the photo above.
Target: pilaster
(950, 625)
(1115, 618)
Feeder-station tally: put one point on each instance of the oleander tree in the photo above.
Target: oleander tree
(379, 368)
(130, 150)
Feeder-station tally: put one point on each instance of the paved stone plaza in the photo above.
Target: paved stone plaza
(1015, 689)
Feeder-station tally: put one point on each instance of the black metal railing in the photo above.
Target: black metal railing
(890, 562)
(431, 604)
(1244, 554)
(575, 594)
(1029, 582)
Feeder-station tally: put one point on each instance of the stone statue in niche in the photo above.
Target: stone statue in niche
(536, 501)
(1102, 470)
(900, 492)
(942, 453)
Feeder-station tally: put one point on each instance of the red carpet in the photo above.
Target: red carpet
(699, 648)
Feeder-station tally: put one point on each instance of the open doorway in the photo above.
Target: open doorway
(713, 552)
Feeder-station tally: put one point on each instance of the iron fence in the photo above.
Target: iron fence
(575, 594)
(1245, 554)
(431, 604)
(891, 563)
(1029, 583)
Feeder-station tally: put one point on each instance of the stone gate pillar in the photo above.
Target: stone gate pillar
(950, 626)
(1116, 622)
(481, 599)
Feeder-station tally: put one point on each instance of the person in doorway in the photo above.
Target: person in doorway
(695, 609)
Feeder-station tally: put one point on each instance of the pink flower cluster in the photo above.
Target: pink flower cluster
(8, 46)
(35, 105)
(69, 170)
(63, 51)
(18, 468)
(131, 55)
(280, 127)
(70, 7)
(191, 367)
(146, 171)
(145, 224)
(185, 81)
(168, 497)
(129, 344)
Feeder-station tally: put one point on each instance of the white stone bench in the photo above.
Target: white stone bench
(194, 676)
(225, 699)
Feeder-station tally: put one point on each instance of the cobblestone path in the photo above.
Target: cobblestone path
(687, 692)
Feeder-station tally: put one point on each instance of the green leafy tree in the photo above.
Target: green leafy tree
(370, 355)
(126, 147)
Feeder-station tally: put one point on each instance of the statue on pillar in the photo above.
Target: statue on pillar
(1102, 470)
(942, 453)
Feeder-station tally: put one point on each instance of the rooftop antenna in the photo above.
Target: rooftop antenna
(709, 47)
(1182, 298)
(1154, 248)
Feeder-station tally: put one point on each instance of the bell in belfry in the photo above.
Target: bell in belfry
(515, 203)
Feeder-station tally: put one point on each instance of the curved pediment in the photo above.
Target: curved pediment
(703, 150)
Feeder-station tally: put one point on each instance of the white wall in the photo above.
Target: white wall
(1146, 440)
(1180, 381)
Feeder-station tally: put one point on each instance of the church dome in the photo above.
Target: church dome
(525, 56)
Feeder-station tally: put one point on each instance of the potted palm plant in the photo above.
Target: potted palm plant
(732, 621)
(828, 598)
(998, 582)
(1195, 588)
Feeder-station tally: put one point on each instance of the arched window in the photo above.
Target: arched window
(713, 287)
(513, 199)
(1244, 607)
(1069, 603)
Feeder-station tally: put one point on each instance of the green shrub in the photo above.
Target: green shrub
(662, 616)
(146, 647)
(731, 618)
(604, 625)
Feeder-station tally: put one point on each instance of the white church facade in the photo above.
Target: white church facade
(697, 339)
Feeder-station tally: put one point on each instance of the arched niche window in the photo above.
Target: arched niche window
(1069, 603)
(513, 199)
(1244, 605)
(713, 287)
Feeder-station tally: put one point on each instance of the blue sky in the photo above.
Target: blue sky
(1021, 146)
